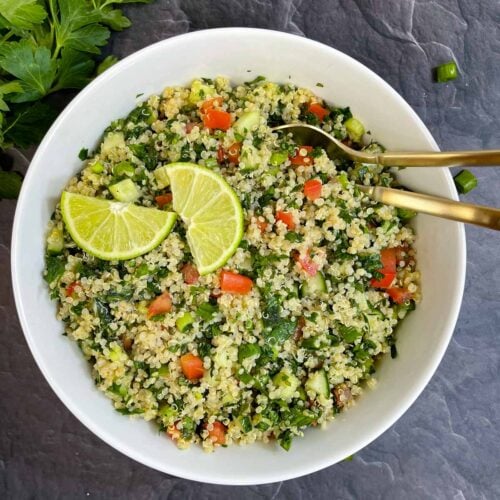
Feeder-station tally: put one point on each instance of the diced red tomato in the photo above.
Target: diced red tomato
(235, 283)
(173, 432)
(215, 102)
(163, 199)
(262, 225)
(312, 189)
(70, 289)
(192, 366)
(190, 126)
(233, 153)
(190, 274)
(388, 269)
(318, 110)
(399, 295)
(384, 282)
(388, 259)
(302, 156)
(162, 304)
(307, 264)
(217, 119)
(286, 218)
(218, 433)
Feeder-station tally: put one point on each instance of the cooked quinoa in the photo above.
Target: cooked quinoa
(304, 342)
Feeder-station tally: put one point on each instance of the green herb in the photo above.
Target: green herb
(106, 63)
(319, 84)
(46, 47)
(103, 312)
(293, 237)
(83, 154)
(206, 311)
(256, 80)
(465, 181)
(54, 267)
(248, 351)
(246, 424)
(370, 262)
(349, 333)
(405, 214)
(285, 440)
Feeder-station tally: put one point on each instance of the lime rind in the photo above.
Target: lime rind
(211, 209)
(135, 230)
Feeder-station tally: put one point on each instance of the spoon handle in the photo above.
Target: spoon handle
(442, 159)
(434, 205)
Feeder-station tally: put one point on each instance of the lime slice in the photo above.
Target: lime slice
(212, 212)
(111, 230)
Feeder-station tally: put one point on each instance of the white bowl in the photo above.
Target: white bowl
(422, 338)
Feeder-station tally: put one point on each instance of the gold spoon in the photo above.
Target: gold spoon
(314, 136)
(480, 215)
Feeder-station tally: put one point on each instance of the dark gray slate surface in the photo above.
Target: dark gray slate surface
(447, 446)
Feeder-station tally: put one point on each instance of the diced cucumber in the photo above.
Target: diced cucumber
(184, 321)
(124, 190)
(247, 122)
(355, 129)
(55, 241)
(318, 383)
(161, 177)
(200, 91)
(313, 285)
(286, 384)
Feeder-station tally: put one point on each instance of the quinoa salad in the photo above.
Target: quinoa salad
(290, 330)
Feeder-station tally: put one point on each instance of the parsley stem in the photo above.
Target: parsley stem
(7, 36)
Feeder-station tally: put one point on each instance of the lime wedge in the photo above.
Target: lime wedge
(212, 212)
(111, 230)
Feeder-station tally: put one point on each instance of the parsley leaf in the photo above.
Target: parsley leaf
(23, 14)
(10, 184)
(78, 27)
(75, 70)
(28, 123)
(8, 88)
(112, 17)
(32, 65)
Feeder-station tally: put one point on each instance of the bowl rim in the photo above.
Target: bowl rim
(88, 422)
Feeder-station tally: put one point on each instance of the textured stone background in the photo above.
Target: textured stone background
(447, 446)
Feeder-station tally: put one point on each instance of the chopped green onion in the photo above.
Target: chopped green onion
(124, 168)
(97, 168)
(446, 72)
(184, 321)
(211, 163)
(465, 181)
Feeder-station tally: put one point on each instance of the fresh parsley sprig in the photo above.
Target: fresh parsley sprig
(47, 46)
